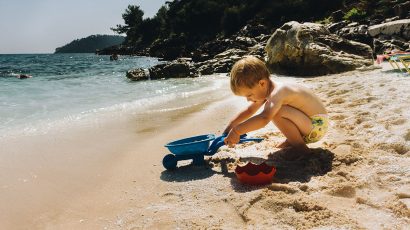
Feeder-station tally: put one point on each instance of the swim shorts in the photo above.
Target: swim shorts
(320, 123)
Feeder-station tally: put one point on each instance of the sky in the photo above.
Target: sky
(40, 26)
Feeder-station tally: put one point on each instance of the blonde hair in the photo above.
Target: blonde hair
(247, 72)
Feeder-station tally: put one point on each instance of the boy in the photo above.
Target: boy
(294, 109)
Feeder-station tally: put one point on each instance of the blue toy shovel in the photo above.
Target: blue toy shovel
(196, 148)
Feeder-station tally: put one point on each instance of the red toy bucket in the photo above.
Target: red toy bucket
(254, 174)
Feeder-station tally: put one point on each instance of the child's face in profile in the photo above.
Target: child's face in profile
(257, 93)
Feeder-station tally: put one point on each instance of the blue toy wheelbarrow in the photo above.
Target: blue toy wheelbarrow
(196, 148)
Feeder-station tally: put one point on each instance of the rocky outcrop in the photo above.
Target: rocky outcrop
(356, 32)
(219, 55)
(395, 28)
(381, 35)
(210, 49)
(180, 68)
(310, 49)
(392, 35)
(221, 63)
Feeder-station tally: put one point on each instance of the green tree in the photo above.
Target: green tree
(133, 18)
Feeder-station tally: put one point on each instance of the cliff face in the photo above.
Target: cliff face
(90, 44)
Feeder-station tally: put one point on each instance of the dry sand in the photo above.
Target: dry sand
(357, 178)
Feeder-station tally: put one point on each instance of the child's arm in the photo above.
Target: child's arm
(247, 113)
(259, 121)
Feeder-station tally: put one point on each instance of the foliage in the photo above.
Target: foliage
(202, 20)
(325, 21)
(90, 44)
(199, 21)
(355, 15)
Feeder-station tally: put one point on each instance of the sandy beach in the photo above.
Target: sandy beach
(357, 178)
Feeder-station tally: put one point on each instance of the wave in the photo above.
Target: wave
(125, 110)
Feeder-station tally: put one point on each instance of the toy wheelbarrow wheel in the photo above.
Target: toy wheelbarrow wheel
(170, 162)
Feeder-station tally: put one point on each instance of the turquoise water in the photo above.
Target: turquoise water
(80, 87)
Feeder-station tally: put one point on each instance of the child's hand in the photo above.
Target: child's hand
(232, 138)
(227, 129)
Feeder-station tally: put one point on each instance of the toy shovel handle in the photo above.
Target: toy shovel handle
(219, 142)
(251, 139)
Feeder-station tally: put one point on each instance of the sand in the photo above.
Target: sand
(358, 176)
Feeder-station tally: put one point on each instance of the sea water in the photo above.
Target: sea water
(67, 89)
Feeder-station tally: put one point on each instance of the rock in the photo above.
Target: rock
(229, 53)
(23, 76)
(336, 26)
(220, 45)
(244, 42)
(376, 19)
(391, 19)
(253, 29)
(356, 32)
(137, 74)
(337, 15)
(402, 10)
(180, 68)
(257, 50)
(309, 49)
(263, 38)
(400, 28)
(212, 48)
(221, 63)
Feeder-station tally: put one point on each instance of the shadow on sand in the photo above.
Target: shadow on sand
(318, 163)
(291, 167)
(187, 173)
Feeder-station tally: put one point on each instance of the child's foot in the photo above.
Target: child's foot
(283, 145)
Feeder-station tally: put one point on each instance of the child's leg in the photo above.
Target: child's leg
(294, 124)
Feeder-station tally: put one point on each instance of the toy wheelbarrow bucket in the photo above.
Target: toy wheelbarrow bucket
(191, 145)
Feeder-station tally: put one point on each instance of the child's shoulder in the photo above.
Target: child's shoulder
(284, 90)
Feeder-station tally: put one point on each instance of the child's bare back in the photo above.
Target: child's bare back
(299, 97)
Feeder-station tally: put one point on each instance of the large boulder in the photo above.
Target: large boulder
(137, 74)
(180, 68)
(399, 28)
(309, 49)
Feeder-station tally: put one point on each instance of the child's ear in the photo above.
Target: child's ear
(262, 83)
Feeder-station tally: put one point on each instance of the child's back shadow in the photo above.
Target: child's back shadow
(289, 169)
(291, 166)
